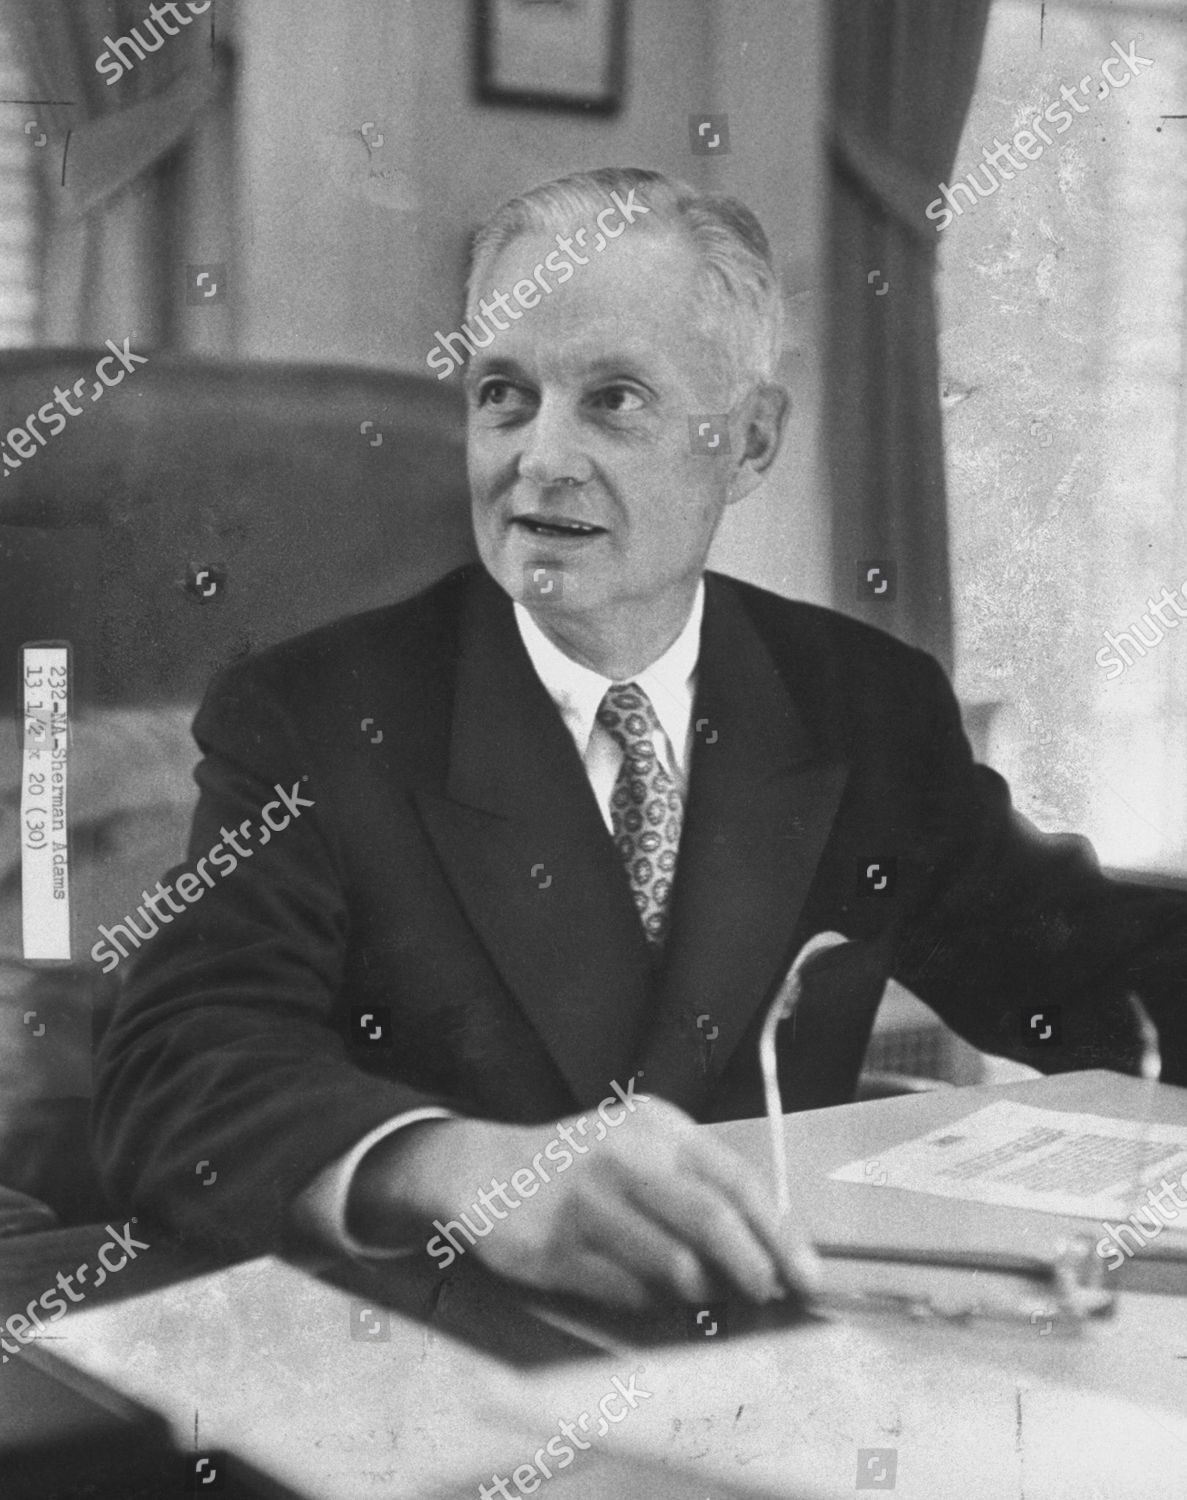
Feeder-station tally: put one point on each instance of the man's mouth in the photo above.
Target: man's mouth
(557, 526)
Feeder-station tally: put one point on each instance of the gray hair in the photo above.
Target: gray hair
(741, 301)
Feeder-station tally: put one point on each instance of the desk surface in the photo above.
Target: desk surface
(267, 1362)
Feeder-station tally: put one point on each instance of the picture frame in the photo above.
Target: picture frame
(551, 54)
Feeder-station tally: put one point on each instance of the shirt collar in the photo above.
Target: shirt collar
(578, 691)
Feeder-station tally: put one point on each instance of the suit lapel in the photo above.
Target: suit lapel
(763, 793)
(525, 849)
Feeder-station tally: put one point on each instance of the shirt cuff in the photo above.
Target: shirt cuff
(322, 1205)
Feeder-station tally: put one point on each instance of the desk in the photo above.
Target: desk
(263, 1360)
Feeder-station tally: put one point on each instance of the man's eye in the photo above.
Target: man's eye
(618, 398)
(500, 395)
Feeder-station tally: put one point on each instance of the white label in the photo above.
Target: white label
(45, 855)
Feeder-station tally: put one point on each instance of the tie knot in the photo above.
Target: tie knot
(628, 714)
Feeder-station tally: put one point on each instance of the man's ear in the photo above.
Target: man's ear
(763, 418)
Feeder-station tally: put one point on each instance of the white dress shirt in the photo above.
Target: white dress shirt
(577, 691)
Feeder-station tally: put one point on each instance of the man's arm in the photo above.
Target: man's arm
(1016, 922)
(224, 1047)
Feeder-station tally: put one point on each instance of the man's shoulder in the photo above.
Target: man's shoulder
(411, 634)
(402, 652)
(857, 685)
(814, 633)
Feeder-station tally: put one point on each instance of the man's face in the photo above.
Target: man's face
(579, 418)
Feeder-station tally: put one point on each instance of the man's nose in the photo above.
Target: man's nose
(552, 451)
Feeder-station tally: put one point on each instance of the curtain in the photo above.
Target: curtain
(107, 188)
(903, 73)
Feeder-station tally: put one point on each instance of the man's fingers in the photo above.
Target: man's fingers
(711, 1226)
(617, 1229)
(596, 1276)
(785, 1241)
(710, 1199)
(750, 1191)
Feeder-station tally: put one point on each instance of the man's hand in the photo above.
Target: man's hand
(656, 1207)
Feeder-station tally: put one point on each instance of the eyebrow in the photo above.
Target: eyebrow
(631, 366)
(479, 368)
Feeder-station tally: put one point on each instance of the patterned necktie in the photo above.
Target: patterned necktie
(646, 806)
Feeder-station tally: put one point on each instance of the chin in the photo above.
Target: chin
(538, 578)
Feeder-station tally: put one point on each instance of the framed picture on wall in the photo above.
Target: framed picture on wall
(551, 54)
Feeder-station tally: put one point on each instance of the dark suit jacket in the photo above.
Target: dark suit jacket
(456, 881)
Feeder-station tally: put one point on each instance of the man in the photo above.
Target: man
(614, 797)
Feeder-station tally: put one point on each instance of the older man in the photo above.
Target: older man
(461, 1002)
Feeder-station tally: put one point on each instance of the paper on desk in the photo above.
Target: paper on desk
(1051, 1160)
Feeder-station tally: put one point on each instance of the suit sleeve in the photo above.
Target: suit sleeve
(1013, 922)
(224, 1083)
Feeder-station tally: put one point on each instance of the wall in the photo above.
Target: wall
(356, 255)
(328, 259)
(769, 79)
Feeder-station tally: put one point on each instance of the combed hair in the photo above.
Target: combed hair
(741, 302)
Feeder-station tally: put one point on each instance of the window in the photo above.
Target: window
(1062, 346)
